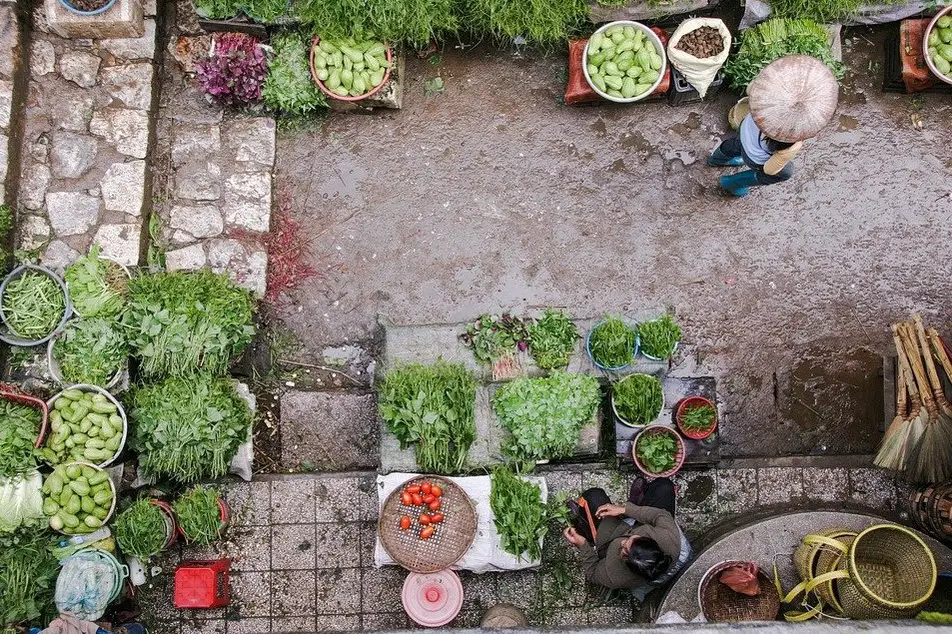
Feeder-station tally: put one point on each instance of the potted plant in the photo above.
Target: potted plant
(637, 399)
(612, 344)
(658, 451)
(659, 338)
(202, 515)
(87, 7)
(34, 305)
(145, 528)
(696, 417)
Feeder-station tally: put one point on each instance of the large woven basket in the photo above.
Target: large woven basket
(892, 573)
(818, 554)
(453, 536)
(720, 603)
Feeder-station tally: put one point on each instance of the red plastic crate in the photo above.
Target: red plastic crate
(202, 584)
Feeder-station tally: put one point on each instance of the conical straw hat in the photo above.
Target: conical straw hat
(793, 98)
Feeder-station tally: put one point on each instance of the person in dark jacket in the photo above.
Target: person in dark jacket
(638, 546)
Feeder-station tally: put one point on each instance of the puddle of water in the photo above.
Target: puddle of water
(848, 123)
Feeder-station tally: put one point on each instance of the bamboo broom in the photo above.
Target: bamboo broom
(923, 463)
(907, 436)
(937, 443)
(892, 450)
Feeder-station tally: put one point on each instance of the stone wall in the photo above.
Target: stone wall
(9, 41)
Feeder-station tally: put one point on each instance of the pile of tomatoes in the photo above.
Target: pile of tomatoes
(425, 495)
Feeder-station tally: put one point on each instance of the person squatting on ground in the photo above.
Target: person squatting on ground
(638, 546)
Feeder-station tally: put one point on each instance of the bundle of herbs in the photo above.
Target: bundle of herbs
(413, 22)
(432, 409)
(552, 339)
(33, 305)
(545, 415)
(612, 343)
(19, 428)
(289, 87)
(27, 578)
(141, 530)
(199, 515)
(494, 337)
(657, 450)
(519, 514)
(638, 399)
(188, 428)
(90, 351)
(697, 418)
(773, 39)
(97, 287)
(186, 322)
(659, 337)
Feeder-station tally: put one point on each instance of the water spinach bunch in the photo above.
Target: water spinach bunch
(19, 427)
(199, 515)
(638, 398)
(97, 287)
(659, 337)
(699, 418)
(90, 351)
(141, 530)
(612, 342)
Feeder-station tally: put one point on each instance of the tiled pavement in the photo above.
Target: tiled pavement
(302, 550)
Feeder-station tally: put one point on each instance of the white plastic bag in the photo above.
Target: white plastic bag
(699, 72)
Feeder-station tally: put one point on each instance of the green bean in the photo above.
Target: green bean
(33, 305)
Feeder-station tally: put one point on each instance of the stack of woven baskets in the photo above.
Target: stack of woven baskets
(883, 572)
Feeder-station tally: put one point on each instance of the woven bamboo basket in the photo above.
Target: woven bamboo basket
(820, 553)
(892, 573)
(452, 538)
(721, 604)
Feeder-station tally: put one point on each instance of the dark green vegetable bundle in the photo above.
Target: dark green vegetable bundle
(773, 39)
(545, 415)
(289, 87)
(265, 11)
(552, 339)
(659, 337)
(612, 342)
(186, 322)
(27, 578)
(519, 513)
(414, 22)
(638, 398)
(657, 451)
(19, 427)
(141, 530)
(33, 305)
(432, 409)
(493, 337)
(97, 287)
(199, 515)
(538, 22)
(698, 418)
(90, 351)
(188, 428)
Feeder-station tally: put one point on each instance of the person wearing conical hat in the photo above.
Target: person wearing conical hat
(790, 100)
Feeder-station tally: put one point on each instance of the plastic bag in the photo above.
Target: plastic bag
(21, 501)
(742, 578)
(699, 72)
(86, 585)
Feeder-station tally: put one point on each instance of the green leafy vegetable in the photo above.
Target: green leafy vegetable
(773, 39)
(659, 337)
(199, 515)
(431, 408)
(265, 11)
(90, 351)
(520, 516)
(698, 418)
(218, 9)
(187, 322)
(289, 87)
(188, 428)
(27, 578)
(544, 23)
(638, 398)
(492, 337)
(414, 22)
(97, 287)
(544, 415)
(141, 530)
(33, 305)
(552, 339)
(612, 343)
(657, 450)
(19, 427)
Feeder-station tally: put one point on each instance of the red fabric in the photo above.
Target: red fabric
(579, 92)
(915, 73)
(742, 578)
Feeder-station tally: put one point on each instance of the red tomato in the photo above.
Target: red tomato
(426, 487)
(406, 499)
(413, 489)
(405, 522)
(436, 518)
(417, 500)
(427, 532)
(436, 491)
(428, 498)
(434, 505)
(424, 519)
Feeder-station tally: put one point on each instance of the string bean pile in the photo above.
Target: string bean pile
(33, 305)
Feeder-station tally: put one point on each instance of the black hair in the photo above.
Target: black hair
(775, 146)
(646, 558)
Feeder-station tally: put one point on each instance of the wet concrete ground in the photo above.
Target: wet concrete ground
(494, 195)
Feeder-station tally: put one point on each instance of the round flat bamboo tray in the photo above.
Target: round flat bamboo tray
(721, 604)
(452, 538)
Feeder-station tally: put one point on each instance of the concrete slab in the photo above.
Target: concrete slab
(761, 542)
(124, 19)
(329, 431)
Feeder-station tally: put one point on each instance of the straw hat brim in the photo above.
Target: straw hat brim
(793, 98)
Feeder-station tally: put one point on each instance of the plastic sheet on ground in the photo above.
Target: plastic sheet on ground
(486, 553)
(757, 11)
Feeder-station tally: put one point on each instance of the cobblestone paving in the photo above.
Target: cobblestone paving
(9, 41)
(302, 550)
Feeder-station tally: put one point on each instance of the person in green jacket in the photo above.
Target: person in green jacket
(637, 546)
